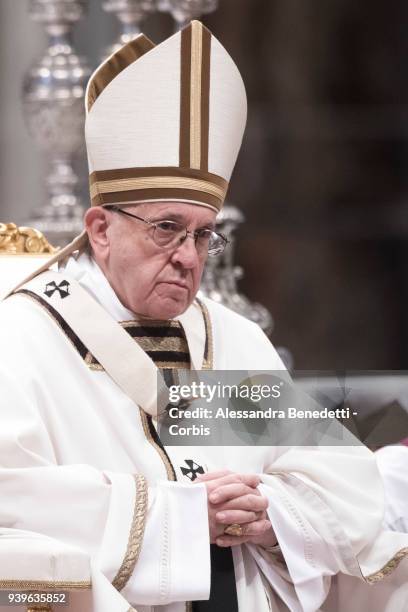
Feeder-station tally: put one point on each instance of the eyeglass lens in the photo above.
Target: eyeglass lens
(171, 233)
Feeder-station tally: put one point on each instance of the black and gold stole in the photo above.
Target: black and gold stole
(166, 345)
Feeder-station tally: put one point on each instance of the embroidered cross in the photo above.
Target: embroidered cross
(62, 289)
(192, 470)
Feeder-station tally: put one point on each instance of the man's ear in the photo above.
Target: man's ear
(96, 224)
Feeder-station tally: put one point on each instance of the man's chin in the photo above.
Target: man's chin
(168, 308)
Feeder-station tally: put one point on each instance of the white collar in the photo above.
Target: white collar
(86, 271)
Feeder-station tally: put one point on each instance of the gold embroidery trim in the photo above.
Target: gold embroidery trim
(172, 343)
(388, 567)
(153, 344)
(208, 361)
(163, 456)
(45, 584)
(110, 69)
(166, 365)
(136, 534)
(195, 93)
(154, 182)
(147, 343)
(89, 361)
(150, 323)
(172, 365)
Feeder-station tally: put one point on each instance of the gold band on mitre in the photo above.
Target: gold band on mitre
(132, 185)
(113, 66)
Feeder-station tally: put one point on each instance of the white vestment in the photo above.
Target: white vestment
(71, 447)
(393, 465)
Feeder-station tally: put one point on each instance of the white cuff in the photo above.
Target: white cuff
(174, 562)
(128, 494)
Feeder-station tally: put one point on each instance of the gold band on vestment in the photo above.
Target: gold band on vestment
(136, 533)
(388, 568)
(38, 585)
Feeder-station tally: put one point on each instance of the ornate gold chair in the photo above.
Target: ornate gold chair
(22, 250)
(34, 569)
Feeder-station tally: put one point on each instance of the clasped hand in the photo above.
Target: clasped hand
(234, 498)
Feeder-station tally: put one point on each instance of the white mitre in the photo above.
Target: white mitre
(165, 122)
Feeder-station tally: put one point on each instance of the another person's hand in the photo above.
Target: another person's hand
(234, 498)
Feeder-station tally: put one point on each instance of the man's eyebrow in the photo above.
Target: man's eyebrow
(165, 215)
(172, 216)
(210, 225)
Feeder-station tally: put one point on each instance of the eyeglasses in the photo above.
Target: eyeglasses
(170, 234)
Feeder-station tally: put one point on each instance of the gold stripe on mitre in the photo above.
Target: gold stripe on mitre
(154, 182)
(194, 96)
(114, 65)
(195, 93)
(140, 184)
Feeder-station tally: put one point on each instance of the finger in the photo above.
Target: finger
(235, 516)
(212, 475)
(256, 528)
(249, 480)
(229, 491)
(227, 540)
(249, 502)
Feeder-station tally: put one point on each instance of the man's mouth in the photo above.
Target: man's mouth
(177, 283)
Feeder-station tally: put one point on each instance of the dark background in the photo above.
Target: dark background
(321, 176)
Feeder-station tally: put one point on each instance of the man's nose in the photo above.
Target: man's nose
(186, 253)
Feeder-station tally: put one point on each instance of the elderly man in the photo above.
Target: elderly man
(169, 528)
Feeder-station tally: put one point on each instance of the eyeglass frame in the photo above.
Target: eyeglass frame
(154, 224)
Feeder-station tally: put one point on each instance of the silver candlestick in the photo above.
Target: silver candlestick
(183, 11)
(130, 13)
(53, 99)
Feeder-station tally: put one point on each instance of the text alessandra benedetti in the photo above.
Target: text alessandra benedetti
(268, 413)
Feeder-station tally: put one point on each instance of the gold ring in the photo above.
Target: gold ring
(235, 529)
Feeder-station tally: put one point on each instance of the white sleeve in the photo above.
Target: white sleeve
(130, 530)
(325, 506)
(392, 462)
